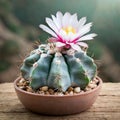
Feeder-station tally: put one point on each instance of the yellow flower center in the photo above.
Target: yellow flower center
(69, 29)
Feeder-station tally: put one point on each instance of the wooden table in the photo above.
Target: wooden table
(107, 106)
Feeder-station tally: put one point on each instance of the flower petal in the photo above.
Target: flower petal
(81, 22)
(65, 19)
(63, 35)
(57, 23)
(73, 20)
(87, 37)
(70, 36)
(83, 30)
(48, 30)
(51, 24)
(60, 44)
(83, 44)
(59, 17)
(75, 47)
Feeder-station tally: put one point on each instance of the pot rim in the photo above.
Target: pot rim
(56, 96)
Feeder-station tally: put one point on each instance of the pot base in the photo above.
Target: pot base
(57, 105)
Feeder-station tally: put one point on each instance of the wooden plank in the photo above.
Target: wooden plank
(107, 106)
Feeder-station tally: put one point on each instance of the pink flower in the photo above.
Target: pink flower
(68, 31)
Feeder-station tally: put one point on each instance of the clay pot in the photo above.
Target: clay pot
(58, 105)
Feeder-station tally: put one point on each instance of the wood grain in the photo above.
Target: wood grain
(107, 106)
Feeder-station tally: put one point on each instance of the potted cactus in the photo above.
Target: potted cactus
(59, 78)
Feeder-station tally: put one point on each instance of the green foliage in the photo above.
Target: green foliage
(95, 49)
(4, 65)
(106, 20)
(11, 24)
(43, 37)
(9, 48)
(7, 18)
(58, 70)
(5, 7)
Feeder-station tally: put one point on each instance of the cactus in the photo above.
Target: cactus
(58, 70)
(64, 62)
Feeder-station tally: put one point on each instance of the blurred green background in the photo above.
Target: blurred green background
(19, 21)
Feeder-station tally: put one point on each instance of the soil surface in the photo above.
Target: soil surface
(45, 90)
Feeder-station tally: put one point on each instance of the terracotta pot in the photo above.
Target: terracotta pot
(57, 105)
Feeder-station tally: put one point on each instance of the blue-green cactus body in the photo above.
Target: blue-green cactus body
(28, 65)
(87, 63)
(59, 77)
(77, 73)
(40, 71)
(58, 70)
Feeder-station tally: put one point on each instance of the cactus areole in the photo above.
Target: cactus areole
(63, 62)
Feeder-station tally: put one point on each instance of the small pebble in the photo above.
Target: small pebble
(66, 93)
(96, 81)
(81, 91)
(47, 93)
(91, 82)
(25, 83)
(41, 92)
(87, 89)
(91, 85)
(29, 89)
(22, 87)
(77, 89)
(19, 84)
(55, 93)
(22, 80)
(51, 91)
(71, 93)
(70, 89)
(60, 94)
(75, 93)
(44, 88)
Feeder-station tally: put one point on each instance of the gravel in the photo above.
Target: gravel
(45, 90)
